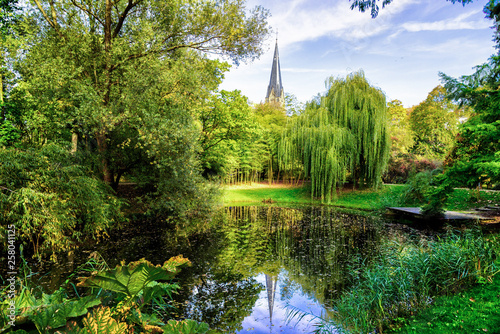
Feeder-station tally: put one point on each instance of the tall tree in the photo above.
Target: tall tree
(225, 119)
(399, 127)
(475, 158)
(8, 16)
(272, 119)
(89, 55)
(345, 133)
(434, 124)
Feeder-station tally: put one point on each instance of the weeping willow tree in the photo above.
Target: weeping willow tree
(343, 133)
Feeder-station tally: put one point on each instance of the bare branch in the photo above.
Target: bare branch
(87, 11)
(126, 11)
(39, 5)
(7, 189)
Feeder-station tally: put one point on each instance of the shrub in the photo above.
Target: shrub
(52, 201)
(401, 167)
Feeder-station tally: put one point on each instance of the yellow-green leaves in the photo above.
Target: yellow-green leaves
(135, 277)
(345, 134)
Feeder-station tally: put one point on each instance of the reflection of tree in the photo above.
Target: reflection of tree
(248, 249)
(315, 246)
(223, 301)
(319, 254)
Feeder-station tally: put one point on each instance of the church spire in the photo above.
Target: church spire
(275, 91)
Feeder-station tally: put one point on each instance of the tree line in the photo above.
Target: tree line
(94, 94)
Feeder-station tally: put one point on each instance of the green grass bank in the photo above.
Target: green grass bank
(473, 311)
(387, 195)
(263, 193)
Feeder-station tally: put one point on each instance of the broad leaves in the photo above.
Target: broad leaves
(101, 322)
(133, 278)
(187, 326)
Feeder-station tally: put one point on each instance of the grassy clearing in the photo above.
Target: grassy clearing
(389, 195)
(260, 193)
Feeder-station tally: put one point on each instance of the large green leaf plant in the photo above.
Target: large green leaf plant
(119, 302)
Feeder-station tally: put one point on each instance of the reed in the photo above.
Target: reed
(407, 278)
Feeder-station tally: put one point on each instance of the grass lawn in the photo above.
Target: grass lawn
(474, 311)
(252, 194)
(259, 193)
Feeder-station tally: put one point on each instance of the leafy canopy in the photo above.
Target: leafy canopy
(434, 124)
(345, 133)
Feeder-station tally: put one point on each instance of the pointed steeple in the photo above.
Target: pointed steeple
(275, 91)
(271, 282)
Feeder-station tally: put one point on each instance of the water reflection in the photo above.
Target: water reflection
(252, 264)
(268, 258)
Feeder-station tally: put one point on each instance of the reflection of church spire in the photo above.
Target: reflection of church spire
(271, 291)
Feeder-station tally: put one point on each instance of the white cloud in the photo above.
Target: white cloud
(302, 70)
(457, 23)
(310, 20)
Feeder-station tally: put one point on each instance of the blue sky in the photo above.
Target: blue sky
(401, 51)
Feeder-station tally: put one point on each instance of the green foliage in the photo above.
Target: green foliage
(345, 133)
(474, 310)
(437, 197)
(48, 311)
(51, 200)
(430, 190)
(8, 9)
(434, 125)
(405, 279)
(56, 315)
(99, 68)
(417, 188)
(399, 128)
(114, 80)
(227, 123)
(135, 278)
(475, 160)
(101, 321)
(185, 327)
(137, 282)
(8, 133)
(272, 120)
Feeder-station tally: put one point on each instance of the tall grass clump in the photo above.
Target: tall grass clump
(407, 277)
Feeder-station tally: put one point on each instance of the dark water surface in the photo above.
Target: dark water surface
(251, 266)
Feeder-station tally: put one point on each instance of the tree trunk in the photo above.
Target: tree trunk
(102, 146)
(74, 142)
(2, 109)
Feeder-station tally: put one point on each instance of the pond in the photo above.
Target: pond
(253, 266)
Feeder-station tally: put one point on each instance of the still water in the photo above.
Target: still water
(253, 266)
